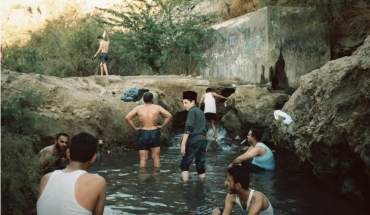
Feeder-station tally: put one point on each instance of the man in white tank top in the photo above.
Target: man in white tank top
(210, 108)
(251, 202)
(73, 190)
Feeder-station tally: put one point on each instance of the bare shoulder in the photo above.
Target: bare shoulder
(93, 179)
(46, 150)
(257, 198)
(231, 198)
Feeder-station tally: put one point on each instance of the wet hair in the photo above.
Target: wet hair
(208, 90)
(240, 175)
(100, 37)
(83, 147)
(190, 100)
(257, 134)
(148, 97)
(61, 134)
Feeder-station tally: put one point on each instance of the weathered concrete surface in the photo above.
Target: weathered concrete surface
(330, 131)
(273, 44)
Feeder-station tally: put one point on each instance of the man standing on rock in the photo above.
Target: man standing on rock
(149, 131)
(210, 108)
(56, 150)
(263, 158)
(104, 46)
(194, 142)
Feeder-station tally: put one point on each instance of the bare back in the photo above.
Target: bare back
(148, 116)
(104, 46)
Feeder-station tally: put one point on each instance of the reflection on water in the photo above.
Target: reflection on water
(132, 190)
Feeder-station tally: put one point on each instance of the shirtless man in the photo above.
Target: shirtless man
(104, 46)
(73, 190)
(149, 130)
(252, 202)
(210, 108)
(57, 149)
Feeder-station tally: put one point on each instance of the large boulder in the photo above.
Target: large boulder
(254, 107)
(232, 124)
(330, 131)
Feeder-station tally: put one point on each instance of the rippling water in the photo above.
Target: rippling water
(132, 190)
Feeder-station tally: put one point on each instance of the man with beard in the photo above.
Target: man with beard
(73, 190)
(263, 158)
(57, 150)
(252, 202)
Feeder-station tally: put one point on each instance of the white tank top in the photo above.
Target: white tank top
(209, 104)
(269, 210)
(58, 197)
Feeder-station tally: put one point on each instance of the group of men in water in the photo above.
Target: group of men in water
(74, 191)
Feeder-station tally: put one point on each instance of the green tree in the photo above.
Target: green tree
(156, 33)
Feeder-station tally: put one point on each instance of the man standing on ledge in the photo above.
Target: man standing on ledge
(210, 108)
(104, 46)
(149, 131)
(194, 142)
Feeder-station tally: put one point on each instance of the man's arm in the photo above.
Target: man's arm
(190, 120)
(229, 204)
(246, 156)
(44, 156)
(44, 180)
(216, 95)
(167, 116)
(201, 101)
(101, 46)
(129, 118)
(108, 38)
(99, 207)
(255, 207)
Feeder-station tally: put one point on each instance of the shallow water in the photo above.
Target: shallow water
(131, 190)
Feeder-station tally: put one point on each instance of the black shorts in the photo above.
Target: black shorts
(210, 116)
(149, 139)
(104, 58)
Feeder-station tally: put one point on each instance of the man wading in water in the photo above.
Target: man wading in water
(149, 131)
(104, 46)
(210, 108)
(194, 142)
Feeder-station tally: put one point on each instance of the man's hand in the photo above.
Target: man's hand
(160, 127)
(245, 148)
(107, 36)
(2, 61)
(183, 149)
(137, 129)
(231, 165)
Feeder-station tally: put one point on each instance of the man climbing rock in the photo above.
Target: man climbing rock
(194, 142)
(56, 150)
(149, 130)
(210, 108)
(104, 46)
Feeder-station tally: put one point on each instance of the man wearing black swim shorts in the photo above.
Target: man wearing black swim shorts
(149, 130)
(104, 46)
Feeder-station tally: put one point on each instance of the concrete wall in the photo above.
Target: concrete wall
(273, 44)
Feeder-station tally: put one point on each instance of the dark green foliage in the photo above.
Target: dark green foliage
(20, 171)
(158, 34)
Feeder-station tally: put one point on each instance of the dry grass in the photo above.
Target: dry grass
(240, 7)
(355, 20)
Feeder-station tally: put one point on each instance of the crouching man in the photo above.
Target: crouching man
(73, 190)
(252, 202)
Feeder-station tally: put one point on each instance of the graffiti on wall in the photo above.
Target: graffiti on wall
(252, 45)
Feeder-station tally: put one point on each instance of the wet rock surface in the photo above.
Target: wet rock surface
(330, 131)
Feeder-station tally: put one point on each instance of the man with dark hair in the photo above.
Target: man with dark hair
(263, 158)
(57, 151)
(73, 190)
(252, 202)
(149, 130)
(210, 108)
(104, 46)
(194, 142)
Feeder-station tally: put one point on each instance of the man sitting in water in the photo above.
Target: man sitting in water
(252, 202)
(263, 158)
(149, 131)
(56, 150)
(104, 46)
(73, 190)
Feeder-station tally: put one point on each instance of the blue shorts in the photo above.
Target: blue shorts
(149, 139)
(104, 58)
